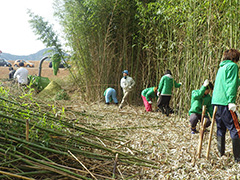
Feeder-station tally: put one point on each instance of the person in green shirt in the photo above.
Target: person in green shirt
(224, 97)
(147, 96)
(165, 91)
(199, 98)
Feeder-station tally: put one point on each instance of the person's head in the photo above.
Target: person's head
(125, 73)
(209, 88)
(168, 72)
(231, 54)
(11, 68)
(155, 90)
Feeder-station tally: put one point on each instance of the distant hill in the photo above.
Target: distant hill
(36, 56)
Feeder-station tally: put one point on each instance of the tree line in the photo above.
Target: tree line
(147, 37)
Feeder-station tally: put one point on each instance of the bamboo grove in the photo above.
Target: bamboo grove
(147, 37)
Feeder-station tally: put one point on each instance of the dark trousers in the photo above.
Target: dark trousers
(194, 118)
(224, 121)
(164, 101)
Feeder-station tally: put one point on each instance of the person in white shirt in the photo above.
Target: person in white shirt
(22, 75)
(126, 84)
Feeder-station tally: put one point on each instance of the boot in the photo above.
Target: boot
(221, 144)
(161, 109)
(167, 111)
(236, 149)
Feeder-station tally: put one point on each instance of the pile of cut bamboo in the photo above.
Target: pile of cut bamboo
(36, 144)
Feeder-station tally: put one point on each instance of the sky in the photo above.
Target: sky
(16, 35)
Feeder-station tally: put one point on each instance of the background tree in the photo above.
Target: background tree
(147, 37)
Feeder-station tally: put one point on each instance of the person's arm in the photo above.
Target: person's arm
(15, 74)
(231, 83)
(132, 83)
(197, 94)
(177, 85)
(123, 83)
(148, 95)
(161, 83)
(209, 106)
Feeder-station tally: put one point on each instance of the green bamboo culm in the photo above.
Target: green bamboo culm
(56, 59)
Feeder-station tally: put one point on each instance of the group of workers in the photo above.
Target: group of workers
(224, 93)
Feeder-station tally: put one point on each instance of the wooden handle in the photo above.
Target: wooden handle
(201, 137)
(203, 114)
(211, 131)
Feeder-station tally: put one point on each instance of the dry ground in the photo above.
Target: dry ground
(165, 140)
(46, 71)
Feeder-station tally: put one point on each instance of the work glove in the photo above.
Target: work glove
(232, 107)
(206, 83)
(180, 83)
(158, 93)
(150, 102)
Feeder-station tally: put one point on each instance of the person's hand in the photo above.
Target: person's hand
(180, 83)
(206, 82)
(158, 93)
(232, 107)
(150, 102)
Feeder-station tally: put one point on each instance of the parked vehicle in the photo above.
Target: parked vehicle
(4, 62)
(22, 63)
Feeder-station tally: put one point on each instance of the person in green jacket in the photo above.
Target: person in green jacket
(165, 92)
(199, 98)
(224, 97)
(147, 96)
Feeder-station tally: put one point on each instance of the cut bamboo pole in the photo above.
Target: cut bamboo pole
(115, 166)
(203, 113)
(211, 132)
(15, 175)
(82, 164)
(27, 130)
(201, 138)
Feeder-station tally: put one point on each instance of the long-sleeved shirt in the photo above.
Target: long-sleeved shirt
(21, 74)
(226, 84)
(198, 99)
(166, 85)
(127, 84)
(149, 93)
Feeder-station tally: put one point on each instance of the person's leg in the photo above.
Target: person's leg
(148, 106)
(194, 118)
(107, 97)
(221, 129)
(123, 99)
(114, 96)
(208, 123)
(167, 101)
(160, 104)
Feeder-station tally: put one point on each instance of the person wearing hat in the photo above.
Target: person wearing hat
(126, 84)
(199, 98)
(165, 91)
(224, 97)
(110, 94)
(11, 72)
(147, 95)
